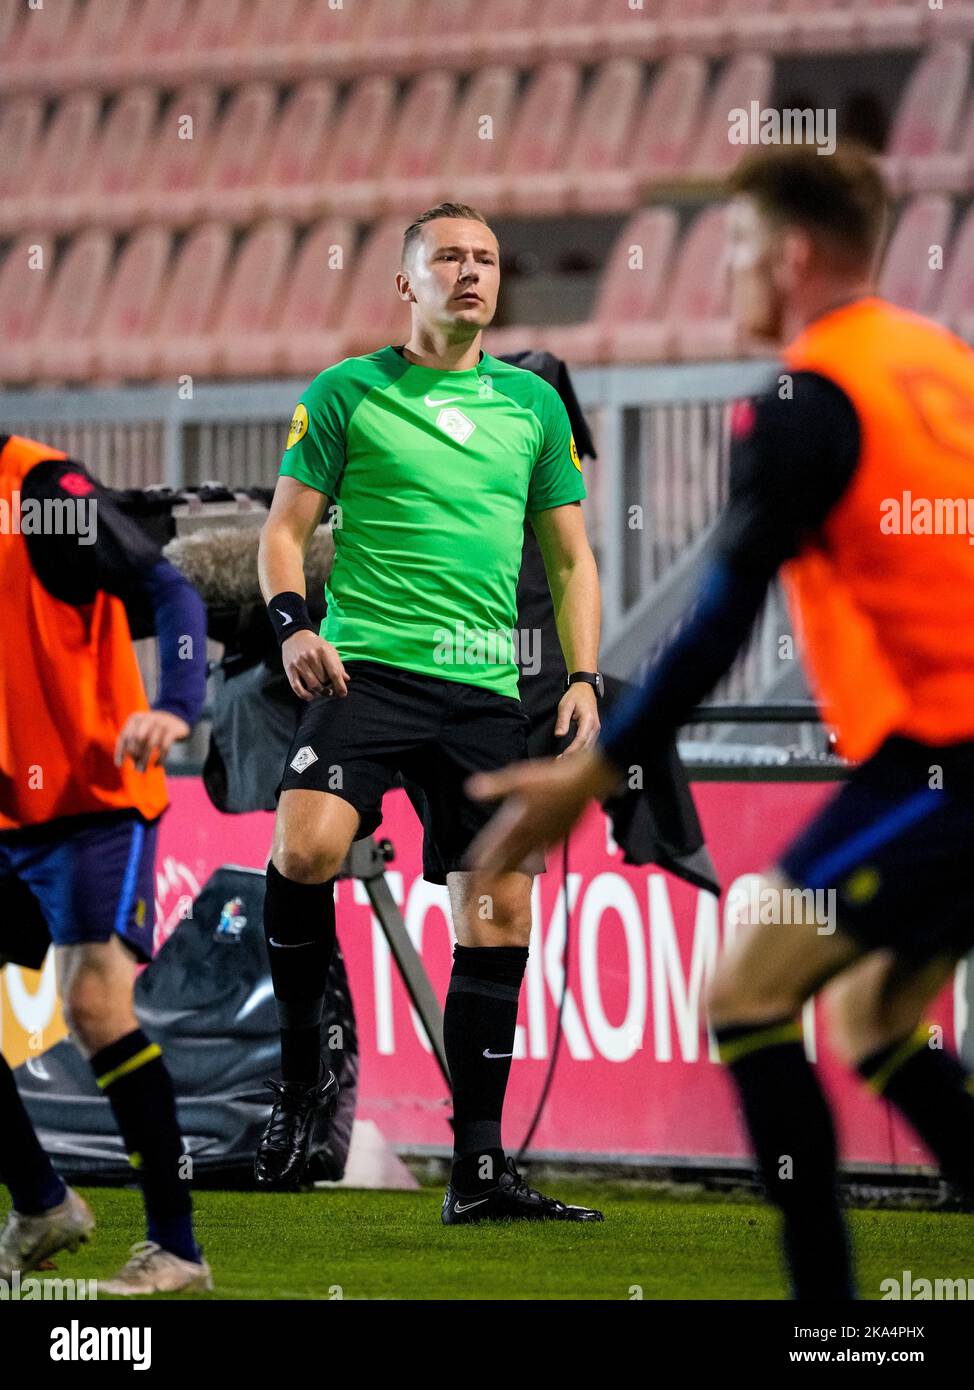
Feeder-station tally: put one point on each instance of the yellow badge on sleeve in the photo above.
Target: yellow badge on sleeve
(299, 425)
(572, 450)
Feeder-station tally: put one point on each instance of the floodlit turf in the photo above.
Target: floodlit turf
(391, 1245)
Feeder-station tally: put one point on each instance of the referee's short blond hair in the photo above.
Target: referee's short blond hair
(411, 234)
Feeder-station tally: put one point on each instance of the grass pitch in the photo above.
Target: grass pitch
(391, 1245)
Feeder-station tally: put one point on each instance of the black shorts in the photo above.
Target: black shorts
(897, 850)
(434, 732)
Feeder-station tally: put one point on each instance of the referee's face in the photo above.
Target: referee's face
(454, 274)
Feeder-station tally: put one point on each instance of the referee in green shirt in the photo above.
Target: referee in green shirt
(430, 455)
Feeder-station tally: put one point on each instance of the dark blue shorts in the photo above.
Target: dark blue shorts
(897, 849)
(90, 876)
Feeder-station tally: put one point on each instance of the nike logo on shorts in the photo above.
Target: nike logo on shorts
(494, 1055)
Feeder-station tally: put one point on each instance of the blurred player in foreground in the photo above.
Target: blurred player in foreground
(873, 412)
(434, 452)
(81, 793)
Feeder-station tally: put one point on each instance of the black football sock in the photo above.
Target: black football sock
(133, 1076)
(299, 924)
(478, 1033)
(794, 1142)
(936, 1095)
(33, 1184)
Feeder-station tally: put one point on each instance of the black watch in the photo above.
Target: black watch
(590, 678)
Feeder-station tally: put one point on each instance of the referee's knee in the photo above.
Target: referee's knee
(307, 863)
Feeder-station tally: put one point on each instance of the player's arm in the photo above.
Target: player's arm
(114, 554)
(792, 459)
(574, 583)
(312, 665)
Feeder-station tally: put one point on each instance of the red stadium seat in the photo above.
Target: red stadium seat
(695, 322)
(669, 122)
(12, 16)
(630, 291)
(954, 21)
(469, 155)
(175, 166)
(238, 157)
(101, 33)
(929, 115)
(746, 79)
(189, 303)
(62, 163)
(956, 306)
(302, 337)
(71, 311)
(159, 37)
(694, 26)
(393, 35)
(24, 288)
(272, 42)
(601, 142)
(249, 301)
(419, 137)
(332, 36)
(571, 29)
(541, 131)
(119, 156)
(21, 121)
(822, 26)
(950, 171)
(374, 314)
(762, 24)
(132, 303)
(907, 277)
(889, 23)
(365, 125)
(288, 181)
(44, 34)
(506, 32)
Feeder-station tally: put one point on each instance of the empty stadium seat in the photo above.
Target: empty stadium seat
(361, 137)
(132, 303)
(288, 181)
(44, 34)
(62, 163)
(505, 32)
(955, 307)
(24, 287)
(889, 23)
(101, 33)
(822, 25)
(420, 135)
(694, 26)
(695, 322)
(541, 131)
(760, 24)
(670, 119)
(746, 79)
(272, 42)
(951, 171)
(393, 35)
(929, 115)
(189, 303)
(175, 165)
(907, 277)
(247, 301)
(473, 150)
(117, 161)
(374, 315)
(954, 21)
(630, 291)
(21, 121)
(601, 141)
(71, 309)
(571, 29)
(300, 336)
(237, 159)
(158, 36)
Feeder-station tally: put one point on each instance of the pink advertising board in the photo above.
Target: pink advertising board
(637, 1073)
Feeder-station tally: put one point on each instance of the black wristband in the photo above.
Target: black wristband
(288, 614)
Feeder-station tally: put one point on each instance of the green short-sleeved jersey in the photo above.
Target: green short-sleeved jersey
(431, 474)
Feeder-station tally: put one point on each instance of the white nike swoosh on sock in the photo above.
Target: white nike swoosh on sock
(494, 1055)
(289, 945)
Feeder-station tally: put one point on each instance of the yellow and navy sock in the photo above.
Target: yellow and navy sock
(935, 1094)
(30, 1177)
(299, 926)
(478, 1034)
(793, 1138)
(133, 1076)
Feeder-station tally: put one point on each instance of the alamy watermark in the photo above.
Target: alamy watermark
(755, 124)
(468, 646)
(50, 516)
(766, 905)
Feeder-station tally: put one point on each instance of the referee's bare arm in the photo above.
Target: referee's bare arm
(312, 665)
